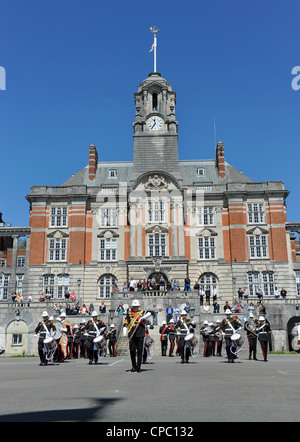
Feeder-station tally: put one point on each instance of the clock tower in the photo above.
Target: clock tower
(155, 136)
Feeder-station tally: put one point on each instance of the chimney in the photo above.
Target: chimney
(220, 160)
(93, 161)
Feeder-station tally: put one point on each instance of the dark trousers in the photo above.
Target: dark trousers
(264, 348)
(185, 351)
(91, 353)
(252, 341)
(41, 351)
(136, 351)
(164, 346)
(228, 343)
(112, 348)
(172, 345)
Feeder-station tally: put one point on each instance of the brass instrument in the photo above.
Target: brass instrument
(251, 327)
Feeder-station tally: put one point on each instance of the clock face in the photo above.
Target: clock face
(155, 123)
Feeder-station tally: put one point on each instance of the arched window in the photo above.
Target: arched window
(209, 281)
(106, 283)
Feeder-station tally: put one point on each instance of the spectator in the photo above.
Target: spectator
(215, 293)
(201, 295)
(91, 309)
(132, 285)
(84, 310)
(276, 293)
(240, 293)
(283, 293)
(207, 295)
(206, 308)
(226, 306)
(176, 313)
(102, 308)
(169, 312)
(216, 307)
(187, 284)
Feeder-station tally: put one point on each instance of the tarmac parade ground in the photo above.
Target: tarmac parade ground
(205, 390)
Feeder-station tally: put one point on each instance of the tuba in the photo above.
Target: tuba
(251, 327)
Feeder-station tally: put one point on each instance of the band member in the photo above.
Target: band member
(251, 336)
(112, 340)
(219, 337)
(264, 335)
(76, 341)
(82, 339)
(229, 327)
(145, 352)
(93, 330)
(183, 327)
(44, 328)
(163, 330)
(204, 331)
(134, 327)
(171, 334)
(62, 349)
(212, 340)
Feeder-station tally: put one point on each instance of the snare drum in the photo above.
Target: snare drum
(50, 343)
(191, 338)
(148, 341)
(99, 341)
(237, 339)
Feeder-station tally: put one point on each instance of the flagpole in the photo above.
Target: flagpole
(154, 32)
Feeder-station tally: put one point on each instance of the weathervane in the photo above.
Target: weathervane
(153, 48)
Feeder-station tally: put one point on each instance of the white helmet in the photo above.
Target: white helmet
(135, 303)
(205, 323)
(94, 313)
(112, 326)
(164, 323)
(251, 315)
(183, 312)
(63, 315)
(171, 321)
(261, 318)
(228, 312)
(45, 314)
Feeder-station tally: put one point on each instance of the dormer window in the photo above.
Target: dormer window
(200, 171)
(112, 173)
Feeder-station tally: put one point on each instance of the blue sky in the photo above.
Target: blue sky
(72, 68)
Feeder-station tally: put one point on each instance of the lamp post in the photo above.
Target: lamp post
(192, 312)
(111, 314)
(78, 285)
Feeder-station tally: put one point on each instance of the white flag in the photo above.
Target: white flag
(153, 46)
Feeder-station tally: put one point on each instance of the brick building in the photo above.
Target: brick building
(154, 217)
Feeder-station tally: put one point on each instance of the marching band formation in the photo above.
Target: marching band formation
(60, 340)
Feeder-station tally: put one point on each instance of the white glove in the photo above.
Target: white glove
(145, 316)
(125, 331)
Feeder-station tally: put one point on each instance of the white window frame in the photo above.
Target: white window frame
(157, 244)
(106, 283)
(112, 174)
(258, 246)
(207, 248)
(108, 217)
(108, 249)
(205, 216)
(58, 216)
(21, 261)
(4, 282)
(256, 213)
(156, 211)
(57, 249)
(297, 278)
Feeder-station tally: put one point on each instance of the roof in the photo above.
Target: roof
(188, 170)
